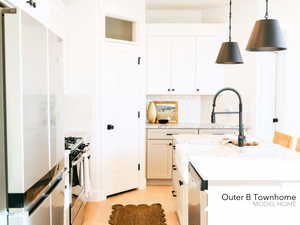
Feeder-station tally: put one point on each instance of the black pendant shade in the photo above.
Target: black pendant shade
(266, 36)
(229, 54)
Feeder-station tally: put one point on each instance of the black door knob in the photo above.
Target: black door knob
(110, 127)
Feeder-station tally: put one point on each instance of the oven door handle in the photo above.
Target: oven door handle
(77, 161)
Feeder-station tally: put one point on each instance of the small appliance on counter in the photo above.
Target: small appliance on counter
(79, 178)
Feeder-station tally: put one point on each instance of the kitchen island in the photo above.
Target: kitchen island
(236, 183)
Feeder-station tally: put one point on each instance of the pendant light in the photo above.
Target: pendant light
(230, 51)
(266, 35)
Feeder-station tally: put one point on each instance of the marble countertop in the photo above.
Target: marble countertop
(191, 126)
(215, 161)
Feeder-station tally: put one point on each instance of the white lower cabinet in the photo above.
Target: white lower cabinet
(159, 159)
(180, 193)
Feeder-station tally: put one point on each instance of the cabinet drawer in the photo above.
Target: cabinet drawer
(167, 133)
(218, 131)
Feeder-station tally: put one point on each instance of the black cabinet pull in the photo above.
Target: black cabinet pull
(31, 3)
(169, 89)
(110, 127)
(197, 89)
(171, 134)
(174, 193)
(170, 144)
(173, 89)
(180, 182)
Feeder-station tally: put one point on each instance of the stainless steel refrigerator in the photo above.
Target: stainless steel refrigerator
(32, 168)
(3, 144)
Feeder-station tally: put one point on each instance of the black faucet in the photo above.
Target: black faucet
(241, 138)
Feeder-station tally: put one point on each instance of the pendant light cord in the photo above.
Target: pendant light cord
(230, 18)
(267, 10)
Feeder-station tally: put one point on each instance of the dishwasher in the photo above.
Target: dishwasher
(197, 214)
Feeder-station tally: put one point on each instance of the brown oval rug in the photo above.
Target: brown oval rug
(137, 215)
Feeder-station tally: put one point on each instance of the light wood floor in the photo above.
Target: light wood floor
(98, 213)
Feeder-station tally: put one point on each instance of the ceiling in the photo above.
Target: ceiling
(184, 4)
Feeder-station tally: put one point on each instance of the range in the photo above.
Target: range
(79, 158)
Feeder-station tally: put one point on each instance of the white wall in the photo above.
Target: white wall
(214, 15)
(85, 81)
(85, 31)
(243, 77)
(289, 70)
(209, 15)
(173, 16)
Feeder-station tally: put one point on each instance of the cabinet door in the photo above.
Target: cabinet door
(159, 159)
(183, 61)
(56, 76)
(35, 99)
(209, 75)
(158, 65)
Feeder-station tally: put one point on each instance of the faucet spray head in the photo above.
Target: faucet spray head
(213, 115)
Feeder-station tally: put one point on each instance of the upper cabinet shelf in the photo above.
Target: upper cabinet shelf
(183, 62)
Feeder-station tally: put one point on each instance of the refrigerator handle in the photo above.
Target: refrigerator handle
(45, 195)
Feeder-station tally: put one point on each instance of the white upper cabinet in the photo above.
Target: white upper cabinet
(183, 65)
(209, 75)
(159, 65)
(38, 9)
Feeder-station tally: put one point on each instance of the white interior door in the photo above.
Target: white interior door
(159, 65)
(183, 61)
(121, 102)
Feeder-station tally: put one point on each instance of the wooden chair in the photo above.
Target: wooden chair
(298, 145)
(283, 139)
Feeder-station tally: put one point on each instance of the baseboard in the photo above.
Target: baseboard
(143, 183)
(159, 182)
(96, 196)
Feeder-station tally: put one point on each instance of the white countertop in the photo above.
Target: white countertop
(191, 126)
(215, 161)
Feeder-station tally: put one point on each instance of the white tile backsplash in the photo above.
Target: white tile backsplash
(189, 107)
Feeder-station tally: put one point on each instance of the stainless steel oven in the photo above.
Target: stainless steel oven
(78, 162)
(77, 185)
(197, 214)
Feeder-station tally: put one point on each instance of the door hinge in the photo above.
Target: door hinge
(139, 60)
(275, 120)
(139, 114)
(9, 10)
(139, 167)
